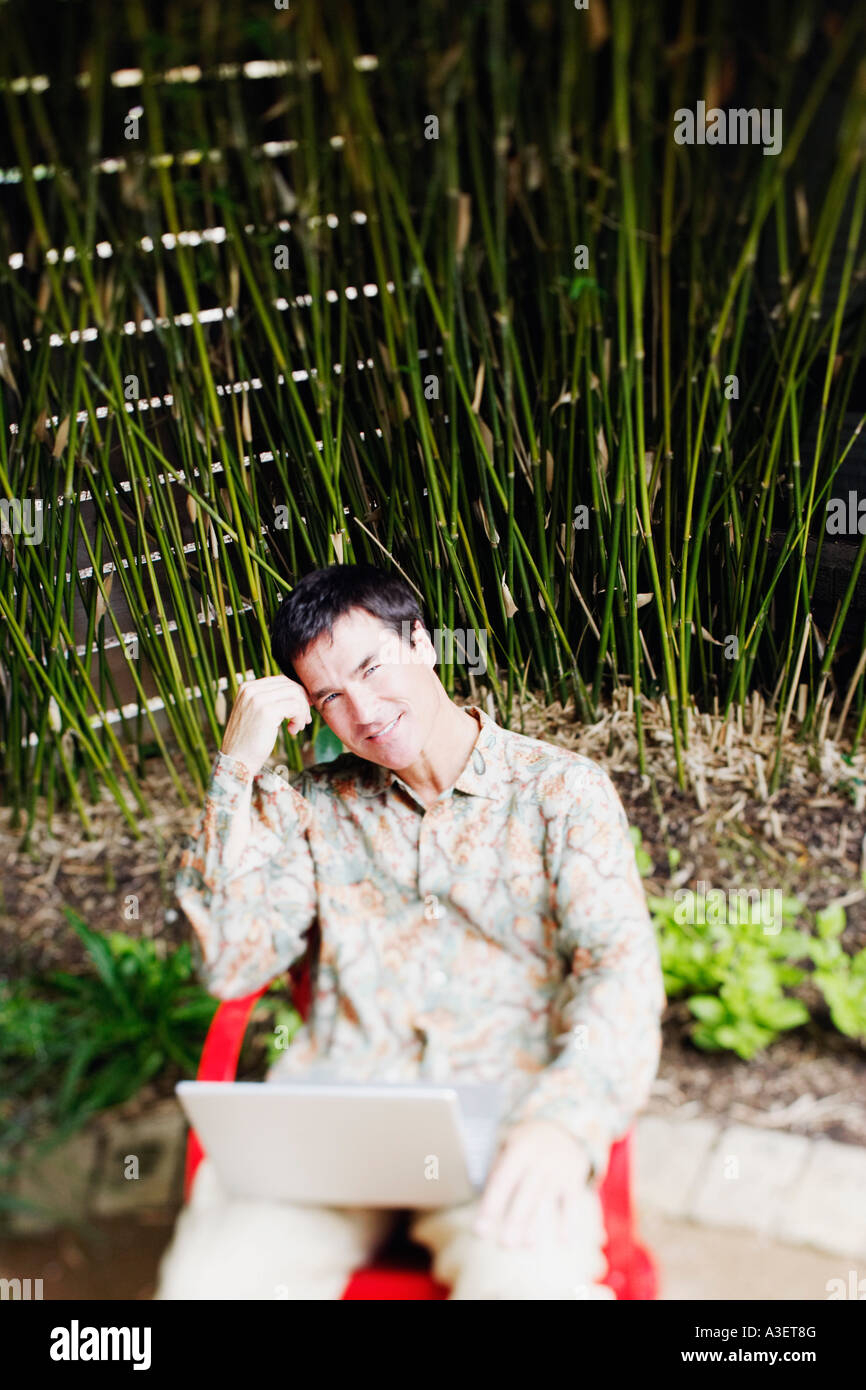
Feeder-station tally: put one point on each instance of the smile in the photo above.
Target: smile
(383, 733)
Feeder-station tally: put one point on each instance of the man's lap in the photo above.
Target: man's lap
(225, 1248)
(477, 1266)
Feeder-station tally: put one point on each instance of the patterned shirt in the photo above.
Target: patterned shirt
(499, 935)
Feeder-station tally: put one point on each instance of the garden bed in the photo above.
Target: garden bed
(808, 837)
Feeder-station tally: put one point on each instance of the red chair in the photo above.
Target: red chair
(631, 1271)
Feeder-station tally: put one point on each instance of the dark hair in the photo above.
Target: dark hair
(323, 596)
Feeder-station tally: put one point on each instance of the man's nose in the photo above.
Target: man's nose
(364, 707)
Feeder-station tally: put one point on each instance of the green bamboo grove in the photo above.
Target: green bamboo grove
(434, 287)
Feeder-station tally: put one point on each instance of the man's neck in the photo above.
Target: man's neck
(447, 751)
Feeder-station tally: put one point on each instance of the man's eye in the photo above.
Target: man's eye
(372, 668)
(328, 697)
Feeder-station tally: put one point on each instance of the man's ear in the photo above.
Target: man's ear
(422, 648)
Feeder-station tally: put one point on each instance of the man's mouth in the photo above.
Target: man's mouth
(384, 732)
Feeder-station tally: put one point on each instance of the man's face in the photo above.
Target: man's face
(378, 694)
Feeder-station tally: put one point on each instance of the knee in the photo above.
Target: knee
(477, 1266)
(263, 1250)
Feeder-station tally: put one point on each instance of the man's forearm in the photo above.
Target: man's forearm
(241, 827)
(246, 880)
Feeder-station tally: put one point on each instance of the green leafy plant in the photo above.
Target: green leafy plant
(283, 1023)
(736, 976)
(644, 861)
(841, 978)
(74, 1044)
(326, 745)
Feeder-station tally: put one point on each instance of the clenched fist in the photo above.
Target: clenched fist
(257, 713)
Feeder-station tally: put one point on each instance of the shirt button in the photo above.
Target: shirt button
(439, 978)
(431, 907)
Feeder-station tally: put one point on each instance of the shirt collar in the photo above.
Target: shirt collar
(486, 772)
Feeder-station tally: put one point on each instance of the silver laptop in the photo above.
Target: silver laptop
(347, 1144)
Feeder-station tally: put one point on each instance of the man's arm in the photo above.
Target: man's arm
(606, 1018)
(245, 880)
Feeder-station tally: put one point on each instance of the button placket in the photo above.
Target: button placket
(433, 909)
(429, 868)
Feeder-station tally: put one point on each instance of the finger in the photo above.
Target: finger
(495, 1196)
(547, 1220)
(268, 687)
(288, 705)
(275, 696)
(497, 1192)
(263, 682)
(567, 1220)
(523, 1218)
(299, 706)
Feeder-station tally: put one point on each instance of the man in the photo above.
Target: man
(481, 919)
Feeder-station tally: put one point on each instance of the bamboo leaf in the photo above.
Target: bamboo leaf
(510, 605)
(6, 372)
(601, 453)
(479, 387)
(599, 24)
(61, 438)
(100, 604)
(464, 225)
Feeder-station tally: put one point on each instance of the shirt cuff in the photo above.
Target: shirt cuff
(229, 771)
(278, 811)
(592, 1136)
(226, 768)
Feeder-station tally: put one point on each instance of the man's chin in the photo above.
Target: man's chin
(394, 758)
(395, 762)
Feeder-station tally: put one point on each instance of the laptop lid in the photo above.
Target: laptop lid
(418, 1145)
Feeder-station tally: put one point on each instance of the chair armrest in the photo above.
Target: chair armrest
(615, 1190)
(219, 1062)
(222, 1046)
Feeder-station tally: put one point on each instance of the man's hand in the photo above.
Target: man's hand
(534, 1187)
(258, 712)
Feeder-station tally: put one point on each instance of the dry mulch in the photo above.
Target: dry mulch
(807, 838)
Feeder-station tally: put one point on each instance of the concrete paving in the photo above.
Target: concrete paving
(786, 1187)
(730, 1211)
(696, 1262)
(708, 1263)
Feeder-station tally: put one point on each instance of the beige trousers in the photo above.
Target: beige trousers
(228, 1248)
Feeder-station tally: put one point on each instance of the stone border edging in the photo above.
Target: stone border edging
(85, 1177)
(787, 1187)
(801, 1191)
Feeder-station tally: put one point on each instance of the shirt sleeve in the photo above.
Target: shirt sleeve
(606, 1016)
(248, 921)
